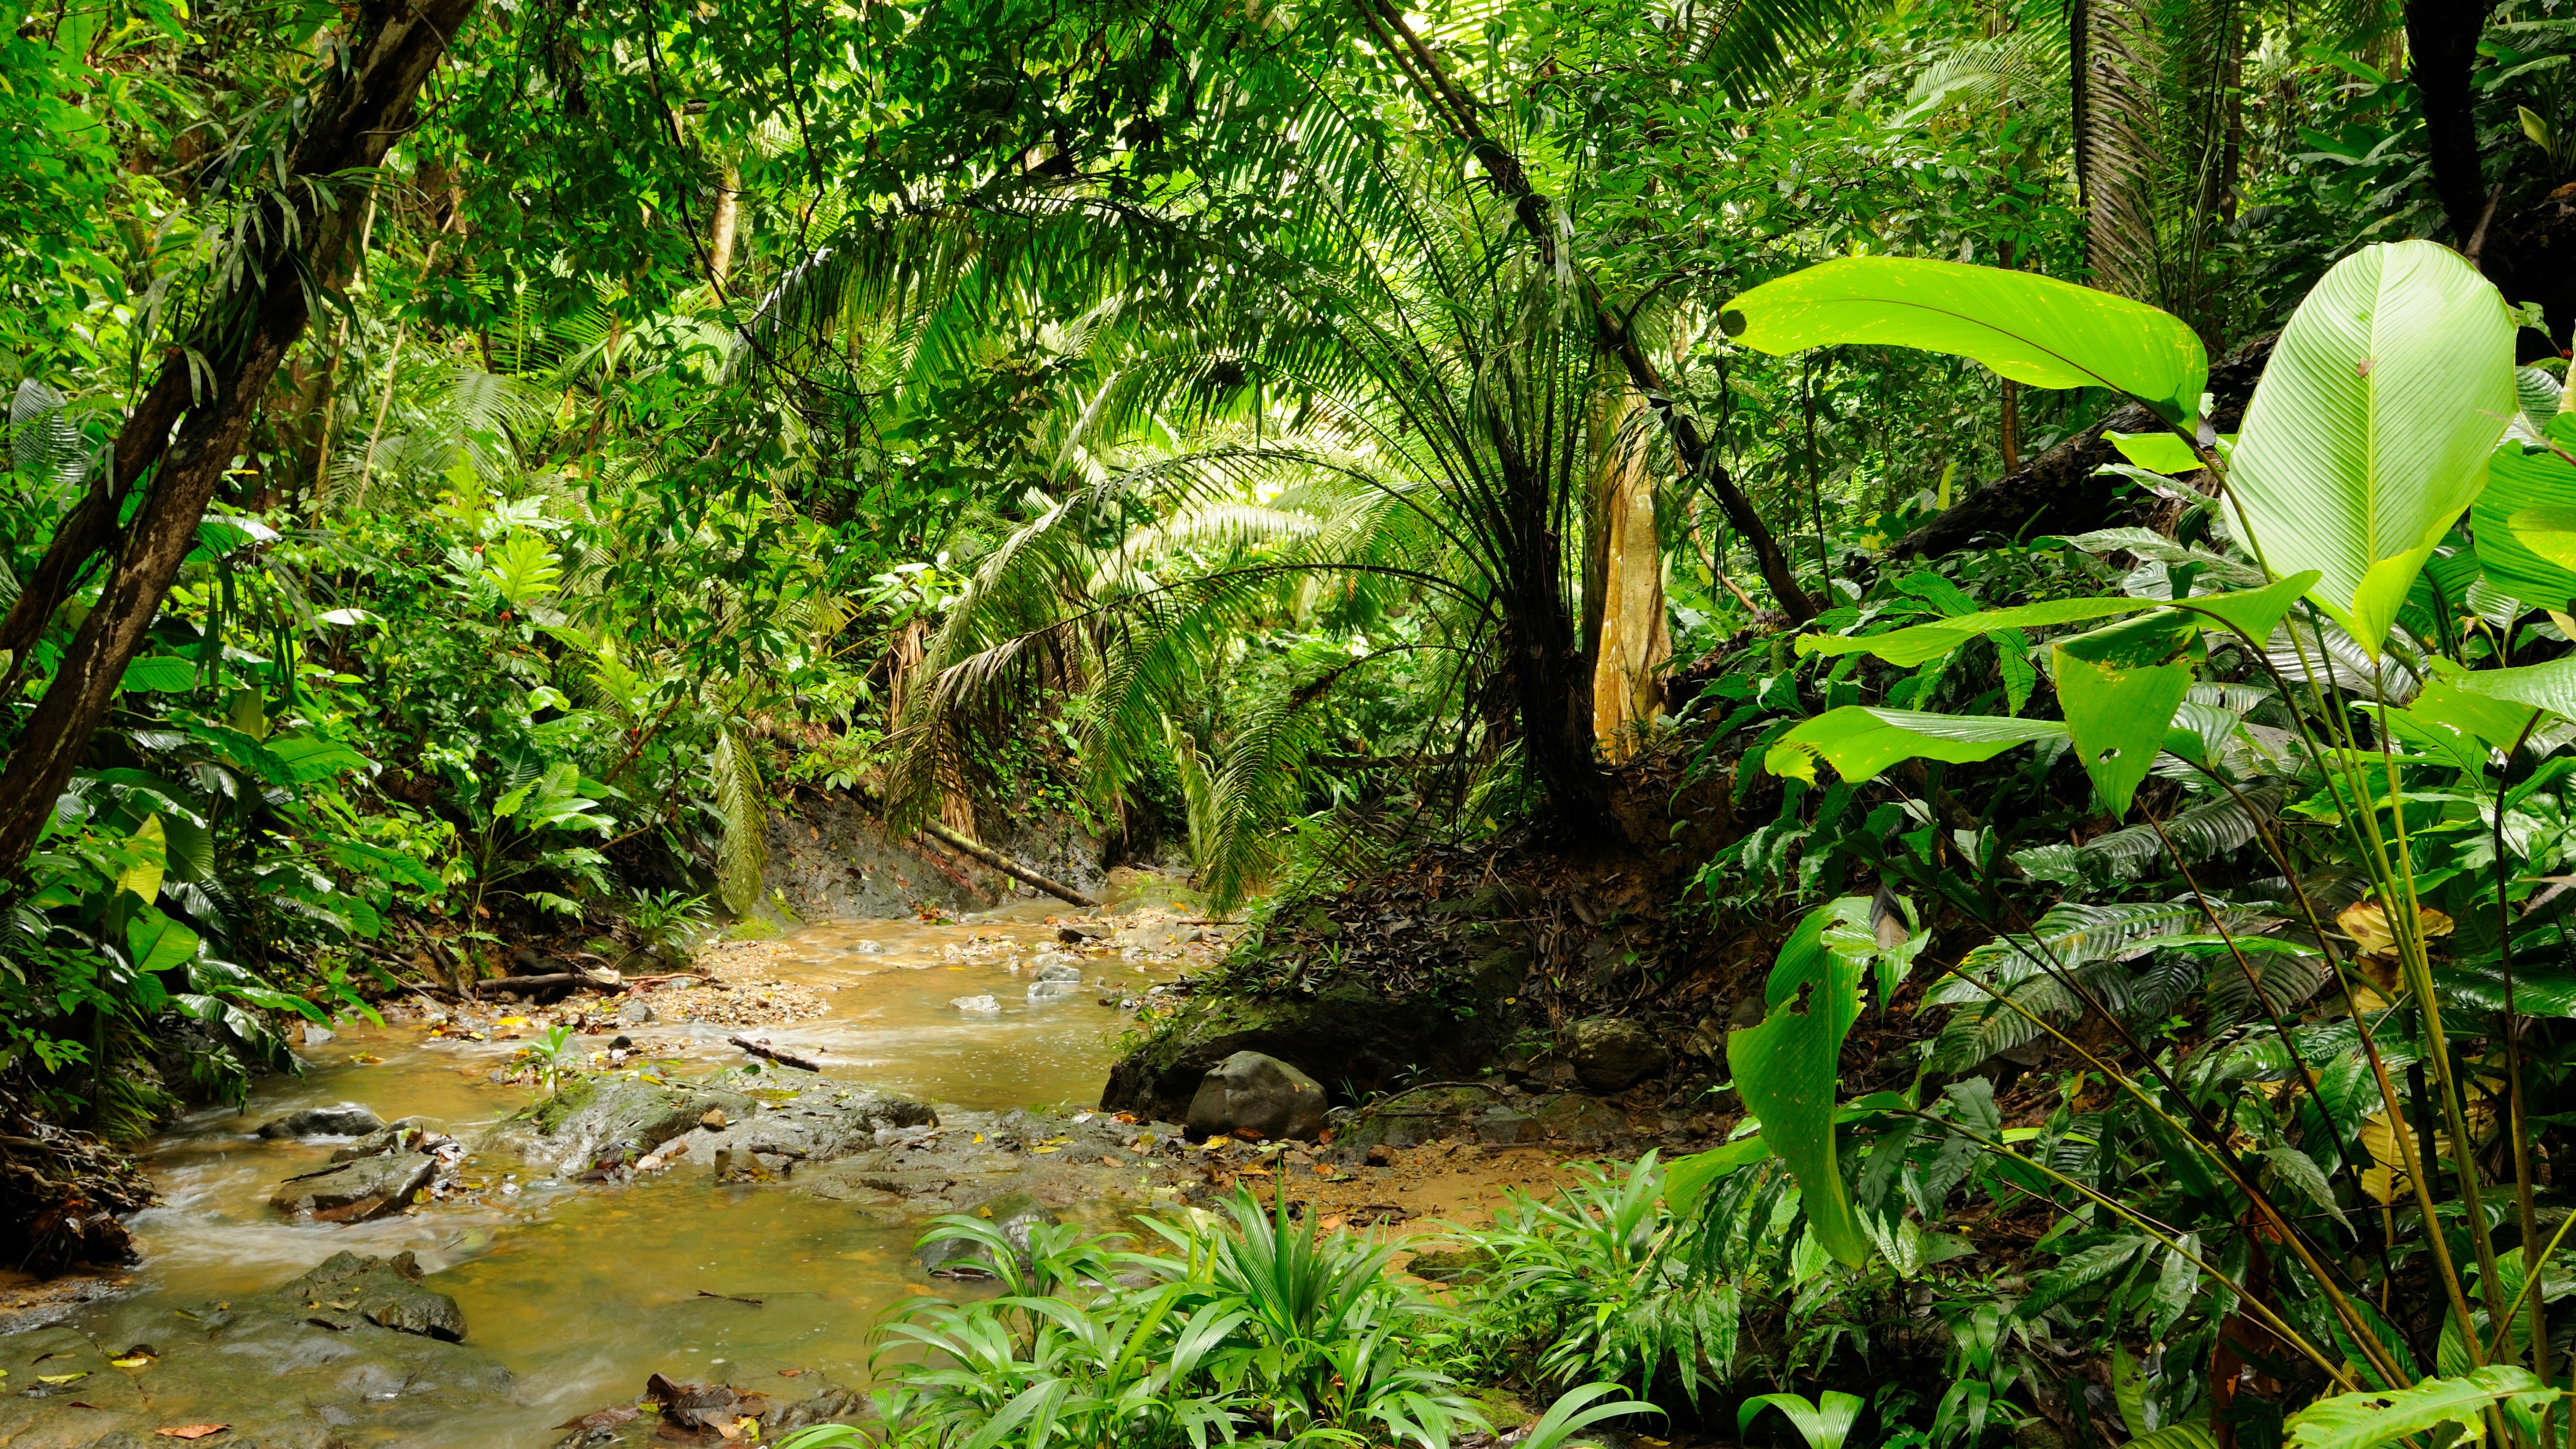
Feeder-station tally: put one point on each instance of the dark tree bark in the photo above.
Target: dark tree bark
(360, 110)
(2442, 37)
(2531, 257)
(2058, 492)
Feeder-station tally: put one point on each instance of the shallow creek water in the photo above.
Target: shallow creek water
(585, 1291)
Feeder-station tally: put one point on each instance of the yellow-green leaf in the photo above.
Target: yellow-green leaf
(151, 848)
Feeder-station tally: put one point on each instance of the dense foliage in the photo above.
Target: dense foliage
(1304, 431)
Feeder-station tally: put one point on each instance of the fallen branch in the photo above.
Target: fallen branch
(506, 985)
(779, 1055)
(1005, 864)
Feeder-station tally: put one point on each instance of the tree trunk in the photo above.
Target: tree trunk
(2061, 491)
(2442, 36)
(1634, 638)
(728, 219)
(364, 104)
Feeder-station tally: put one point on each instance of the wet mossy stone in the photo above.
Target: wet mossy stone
(359, 1191)
(386, 1292)
(286, 1369)
(619, 1117)
(1350, 1038)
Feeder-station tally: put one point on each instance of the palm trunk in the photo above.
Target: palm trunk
(364, 105)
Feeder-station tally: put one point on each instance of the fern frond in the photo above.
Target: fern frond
(742, 853)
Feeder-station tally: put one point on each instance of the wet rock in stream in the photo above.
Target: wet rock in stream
(355, 1192)
(356, 1342)
(694, 1413)
(347, 1119)
(614, 1119)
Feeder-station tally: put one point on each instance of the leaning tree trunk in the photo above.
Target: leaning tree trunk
(2064, 491)
(363, 106)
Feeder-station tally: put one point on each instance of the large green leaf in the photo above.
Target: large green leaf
(2530, 494)
(2254, 610)
(1787, 1070)
(2550, 686)
(2365, 1420)
(2035, 330)
(2117, 716)
(1859, 740)
(160, 673)
(1688, 1179)
(2369, 432)
(2492, 719)
(1923, 643)
(154, 942)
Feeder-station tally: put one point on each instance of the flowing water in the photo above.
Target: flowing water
(585, 1291)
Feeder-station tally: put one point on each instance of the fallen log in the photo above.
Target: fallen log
(505, 985)
(1005, 864)
(2063, 491)
(780, 1055)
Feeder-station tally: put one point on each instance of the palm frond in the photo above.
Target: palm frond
(741, 852)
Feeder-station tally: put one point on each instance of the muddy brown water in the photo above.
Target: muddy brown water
(585, 1291)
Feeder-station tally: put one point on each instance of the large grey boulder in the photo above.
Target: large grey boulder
(346, 1119)
(1612, 1053)
(354, 1192)
(1261, 1095)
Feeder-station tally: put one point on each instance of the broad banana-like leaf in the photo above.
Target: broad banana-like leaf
(2366, 1420)
(2525, 521)
(1788, 1068)
(1923, 643)
(2118, 715)
(2493, 721)
(2035, 330)
(1859, 741)
(2370, 430)
(2550, 686)
(1688, 1179)
(2253, 610)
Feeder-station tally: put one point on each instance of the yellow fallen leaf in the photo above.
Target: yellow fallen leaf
(2368, 925)
(132, 1360)
(62, 1378)
(1043, 1150)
